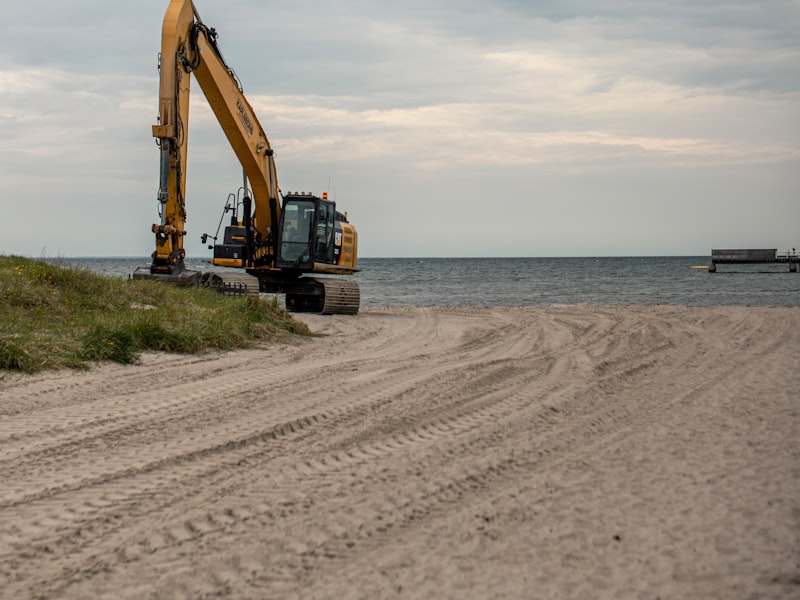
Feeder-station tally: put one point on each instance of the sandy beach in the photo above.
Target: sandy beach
(643, 451)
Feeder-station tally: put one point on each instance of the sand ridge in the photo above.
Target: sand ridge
(537, 452)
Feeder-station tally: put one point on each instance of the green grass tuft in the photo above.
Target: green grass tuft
(14, 357)
(103, 343)
(57, 317)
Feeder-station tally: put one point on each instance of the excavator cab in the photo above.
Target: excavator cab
(308, 233)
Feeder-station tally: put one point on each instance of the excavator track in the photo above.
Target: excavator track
(325, 296)
(230, 284)
(341, 297)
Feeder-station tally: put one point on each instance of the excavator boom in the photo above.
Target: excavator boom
(189, 47)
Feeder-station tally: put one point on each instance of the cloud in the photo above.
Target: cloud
(419, 111)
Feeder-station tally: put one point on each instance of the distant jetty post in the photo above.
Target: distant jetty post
(753, 255)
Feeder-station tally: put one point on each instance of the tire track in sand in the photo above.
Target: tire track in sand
(401, 434)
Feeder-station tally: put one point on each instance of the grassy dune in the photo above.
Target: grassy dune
(55, 317)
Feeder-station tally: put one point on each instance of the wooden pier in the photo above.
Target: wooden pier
(753, 255)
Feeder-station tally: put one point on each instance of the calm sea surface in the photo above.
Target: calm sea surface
(523, 281)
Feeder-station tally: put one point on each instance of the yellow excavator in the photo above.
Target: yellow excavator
(280, 239)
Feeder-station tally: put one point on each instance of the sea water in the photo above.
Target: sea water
(526, 281)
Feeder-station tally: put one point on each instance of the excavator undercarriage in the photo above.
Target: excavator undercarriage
(321, 295)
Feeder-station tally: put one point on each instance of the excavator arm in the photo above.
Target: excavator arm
(189, 47)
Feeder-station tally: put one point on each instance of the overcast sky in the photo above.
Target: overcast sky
(444, 127)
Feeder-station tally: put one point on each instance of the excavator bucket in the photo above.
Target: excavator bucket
(185, 277)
